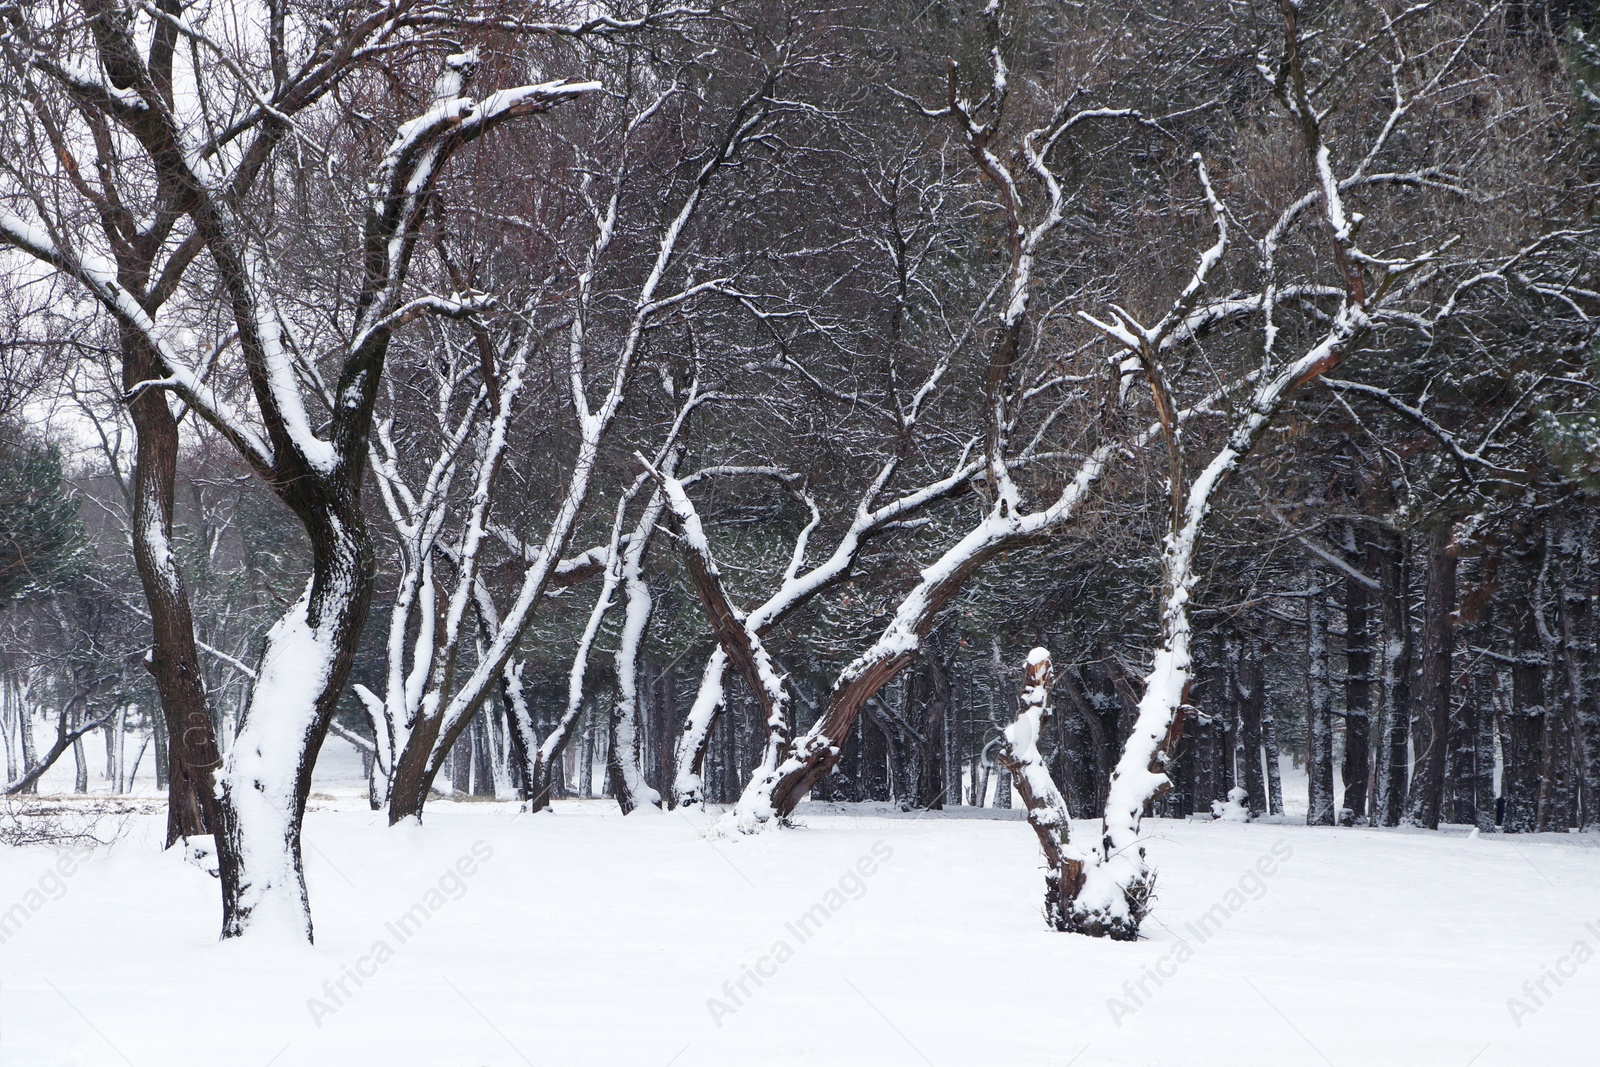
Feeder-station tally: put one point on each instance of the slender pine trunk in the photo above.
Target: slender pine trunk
(1356, 768)
(1319, 706)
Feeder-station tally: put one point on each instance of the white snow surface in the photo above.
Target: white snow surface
(587, 938)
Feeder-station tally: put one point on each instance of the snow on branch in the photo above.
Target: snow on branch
(102, 284)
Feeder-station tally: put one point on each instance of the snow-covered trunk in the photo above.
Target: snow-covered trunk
(1270, 754)
(449, 705)
(738, 638)
(813, 755)
(1115, 892)
(586, 755)
(547, 768)
(1018, 752)
(80, 763)
(25, 741)
(522, 736)
(118, 756)
(266, 777)
(688, 784)
(1319, 706)
(413, 622)
(497, 742)
(625, 760)
(754, 808)
(1252, 702)
(549, 755)
(1004, 527)
(1112, 896)
(447, 709)
(8, 725)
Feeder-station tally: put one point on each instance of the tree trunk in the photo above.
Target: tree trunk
(193, 753)
(1466, 798)
(1018, 752)
(1556, 793)
(1269, 745)
(1577, 649)
(586, 754)
(933, 691)
(664, 728)
(158, 726)
(1438, 642)
(482, 754)
(266, 778)
(1251, 704)
(1391, 558)
(80, 777)
(25, 741)
(1319, 706)
(1522, 734)
(1355, 770)
(10, 713)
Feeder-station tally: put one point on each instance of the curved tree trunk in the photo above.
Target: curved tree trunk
(1018, 753)
(192, 749)
(266, 778)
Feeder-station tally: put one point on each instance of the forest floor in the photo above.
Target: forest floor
(583, 938)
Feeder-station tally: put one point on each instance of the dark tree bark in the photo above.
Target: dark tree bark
(663, 721)
(1433, 706)
(1355, 769)
(1251, 703)
(193, 753)
(461, 765)
(1522, 729)
(1390, 557)
(1576, 651)
(931, 710)
(1556, 789)
(1319, 706)
(1466, 799)
(586, 753)
(482, 754)
(1270, 752)
(874, 782)
(1097, 732)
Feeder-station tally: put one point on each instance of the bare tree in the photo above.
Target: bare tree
(204, 163)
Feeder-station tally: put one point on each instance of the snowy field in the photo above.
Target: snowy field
(579, 937)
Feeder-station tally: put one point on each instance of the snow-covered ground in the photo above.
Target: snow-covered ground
(580, 937)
